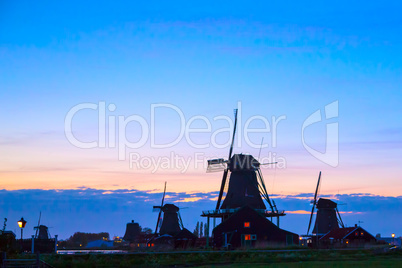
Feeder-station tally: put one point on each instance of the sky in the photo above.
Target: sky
(103, 97)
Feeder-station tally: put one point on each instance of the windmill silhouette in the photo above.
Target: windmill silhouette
(169, 228)
(42, 231)
(169, 219)
(327, 216)
(246, 185)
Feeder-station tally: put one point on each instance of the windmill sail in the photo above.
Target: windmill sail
(314, 202)
(160, 210)
(225, 173)
(37, 227)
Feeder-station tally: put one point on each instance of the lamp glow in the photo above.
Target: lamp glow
(21, 224)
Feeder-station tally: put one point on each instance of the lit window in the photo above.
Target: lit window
(247, 237)
(356, 234)
(247, 224)
(361, 233)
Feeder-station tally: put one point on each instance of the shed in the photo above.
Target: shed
(247, 227)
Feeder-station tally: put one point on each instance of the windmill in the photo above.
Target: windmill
(245, 187)
(169, 230)
(327, 216)
(42, 231)
(133, 231)
(170, 222)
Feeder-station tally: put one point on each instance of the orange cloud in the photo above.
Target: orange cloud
(298, 212)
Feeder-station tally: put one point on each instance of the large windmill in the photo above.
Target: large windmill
(245, 187)
(244, 214)
(328, 216)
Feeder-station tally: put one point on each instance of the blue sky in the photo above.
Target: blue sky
(277, 59)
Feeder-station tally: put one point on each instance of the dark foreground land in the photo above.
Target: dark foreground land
(290, 258)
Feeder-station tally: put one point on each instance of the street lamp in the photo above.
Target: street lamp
(393, 239)
(21, 224)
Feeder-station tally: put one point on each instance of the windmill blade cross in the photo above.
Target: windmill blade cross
(233, 138)
(259, 153)
(272, 163)
(180, 220)
(264, 189)
(164, 193)
(314, 203)
(156, 208)
(160, 210)
(340, 219)
(225, 173)
(37, 229)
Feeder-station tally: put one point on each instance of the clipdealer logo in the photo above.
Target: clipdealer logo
(112, 132)
(331, 154)
(115, 126)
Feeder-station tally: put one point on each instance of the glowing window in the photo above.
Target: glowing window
(356, 234)
(247, 224)
(361, 233)
(247, 237)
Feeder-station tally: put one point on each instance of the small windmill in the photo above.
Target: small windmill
(42, 231)
(327, 216)
(170, 223)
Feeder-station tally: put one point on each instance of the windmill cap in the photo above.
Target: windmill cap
(326, 203)
(170, 208)
(243, 162)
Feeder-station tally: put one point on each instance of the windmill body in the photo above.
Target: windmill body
(133, 231)
(243, 184)
(326, 219)
(170, 222)
(43, 232)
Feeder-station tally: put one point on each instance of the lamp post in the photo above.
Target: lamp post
(393, 239)
(21, 224)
